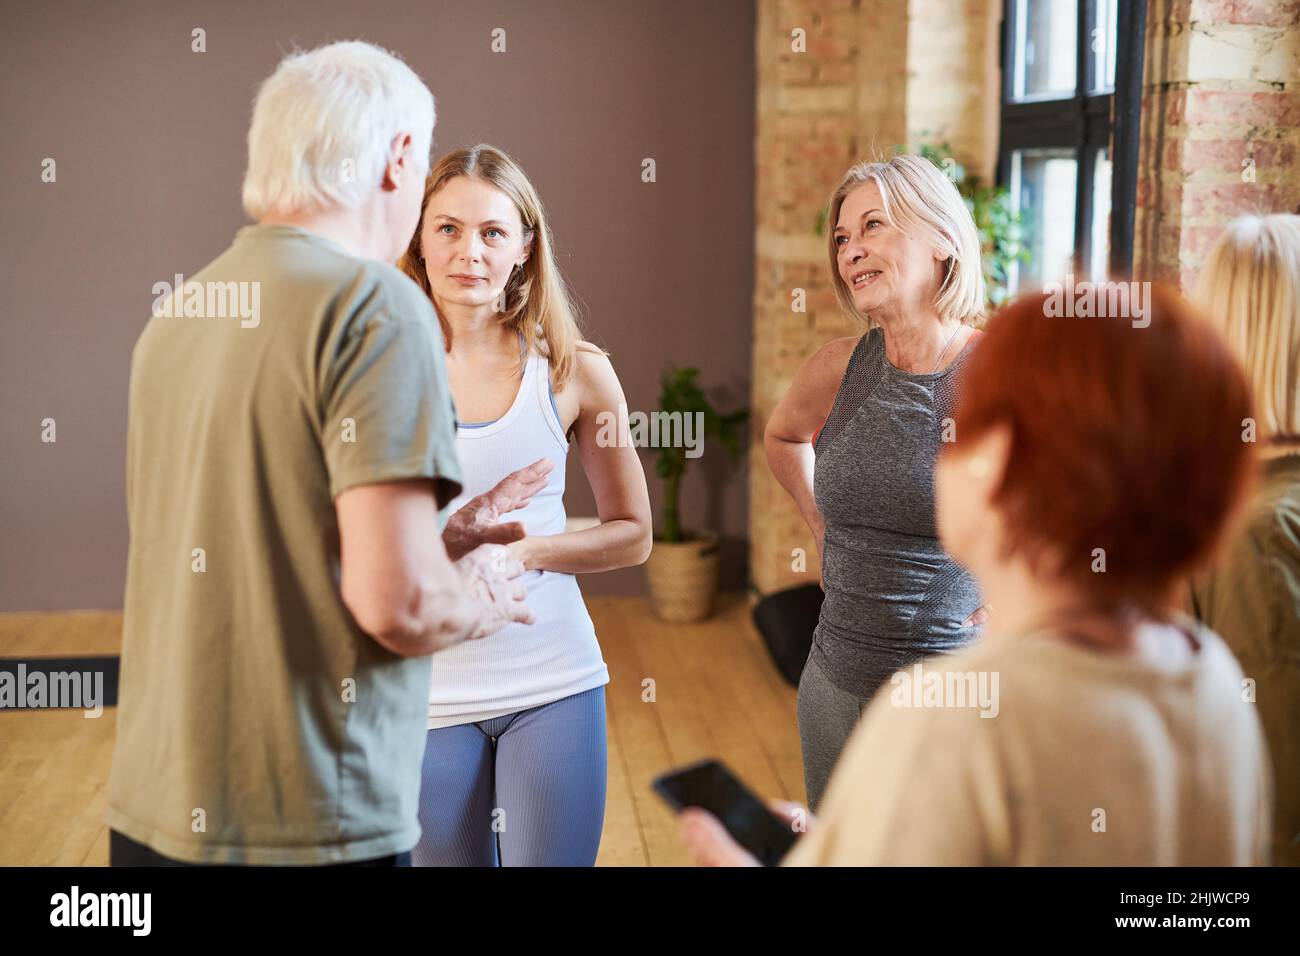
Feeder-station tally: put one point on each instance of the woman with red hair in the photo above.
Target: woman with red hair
(1096, 464)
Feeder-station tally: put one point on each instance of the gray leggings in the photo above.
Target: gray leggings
(525, 789)
(827, 715)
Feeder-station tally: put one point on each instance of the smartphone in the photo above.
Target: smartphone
(711, 786)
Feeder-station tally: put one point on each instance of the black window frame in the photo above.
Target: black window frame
(1087, 123)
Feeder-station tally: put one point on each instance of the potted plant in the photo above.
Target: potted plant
(682, 569)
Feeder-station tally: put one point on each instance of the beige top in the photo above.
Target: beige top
(1084, 758)
(1252, 598)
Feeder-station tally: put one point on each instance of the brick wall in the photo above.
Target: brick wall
(1221, 126)
(872, 74)
(1220, 136)
(953, 78)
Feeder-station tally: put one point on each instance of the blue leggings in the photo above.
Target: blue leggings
(526, 789)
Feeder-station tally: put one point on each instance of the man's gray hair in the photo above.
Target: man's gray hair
(323, 124)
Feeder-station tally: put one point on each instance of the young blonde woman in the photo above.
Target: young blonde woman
(1249, 287)
(514, 768)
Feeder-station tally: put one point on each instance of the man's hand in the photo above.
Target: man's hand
(490, 575)
(479, 522)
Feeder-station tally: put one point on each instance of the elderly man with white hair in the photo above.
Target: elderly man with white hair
(291, 568)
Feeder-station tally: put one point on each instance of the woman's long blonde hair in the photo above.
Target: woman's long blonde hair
(1249, 287)
(537, 301)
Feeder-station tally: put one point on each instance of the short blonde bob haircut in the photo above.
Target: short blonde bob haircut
(1249, 287)
(924, 203)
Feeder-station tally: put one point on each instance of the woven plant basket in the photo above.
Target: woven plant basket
(683, 578)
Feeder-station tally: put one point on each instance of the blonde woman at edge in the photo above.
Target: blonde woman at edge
(904, 258)
(515, 758)
(1249, 287)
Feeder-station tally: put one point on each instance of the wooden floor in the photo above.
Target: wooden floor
(715, 693)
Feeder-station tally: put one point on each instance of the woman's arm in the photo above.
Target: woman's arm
(617, 480)
(795, 420)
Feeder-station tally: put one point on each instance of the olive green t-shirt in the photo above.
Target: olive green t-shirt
(256, 722)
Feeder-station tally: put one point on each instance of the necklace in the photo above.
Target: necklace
(945, 348)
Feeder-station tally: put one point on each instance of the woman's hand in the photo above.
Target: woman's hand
(795, 815)
(709, 842)
(479, 522)
(522, 551)
(980, 615)
(711, 845)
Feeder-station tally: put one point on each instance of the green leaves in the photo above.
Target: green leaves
(1001, 231)
(680, 393)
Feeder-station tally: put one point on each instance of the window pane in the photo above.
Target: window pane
(1043, 186)
(1099, 231)
(1103, 45)
(1045, 50)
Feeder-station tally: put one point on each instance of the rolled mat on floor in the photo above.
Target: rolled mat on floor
(786, 620)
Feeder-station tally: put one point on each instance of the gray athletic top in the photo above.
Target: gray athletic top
(892, 593)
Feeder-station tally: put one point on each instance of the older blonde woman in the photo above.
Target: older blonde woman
(1250, 288)
(904, 258)
(1094, 724)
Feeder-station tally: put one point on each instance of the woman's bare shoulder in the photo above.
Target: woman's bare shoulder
(591, 363)
(826, 367)
(595, 383)
(837, 352)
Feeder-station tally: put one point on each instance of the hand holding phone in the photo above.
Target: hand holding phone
(712, 787)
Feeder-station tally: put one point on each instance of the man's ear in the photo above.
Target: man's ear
(399, 155)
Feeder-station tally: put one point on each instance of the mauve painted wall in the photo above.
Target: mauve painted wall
(149, 139)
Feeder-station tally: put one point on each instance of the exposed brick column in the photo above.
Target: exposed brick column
(954, 79)
(865, 83)
(1220, 126)
(811, 117)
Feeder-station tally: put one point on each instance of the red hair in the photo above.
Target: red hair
(1127, 438)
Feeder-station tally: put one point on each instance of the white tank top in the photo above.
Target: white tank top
(521, 665)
